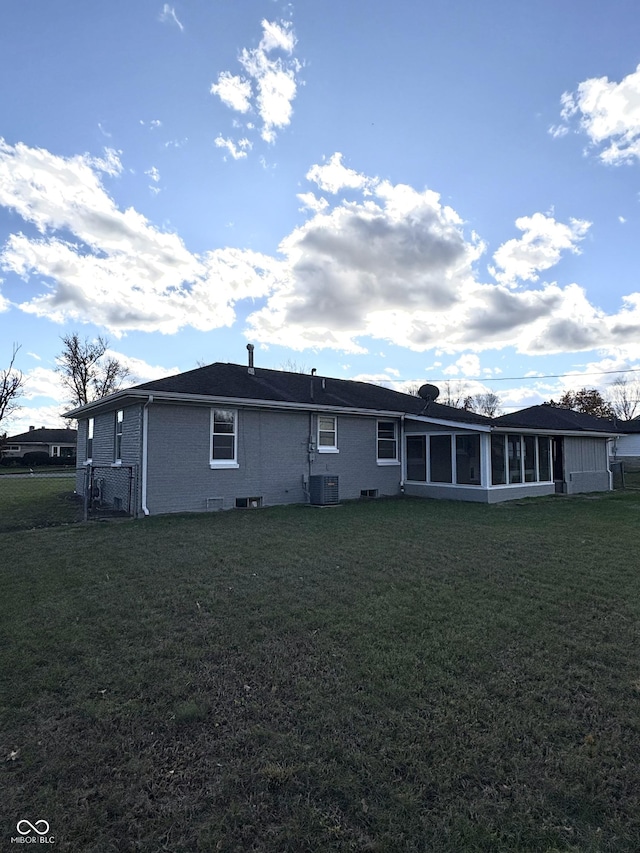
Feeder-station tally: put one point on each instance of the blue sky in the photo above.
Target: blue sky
(406, 192)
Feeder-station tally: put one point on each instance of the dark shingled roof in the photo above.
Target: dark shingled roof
(628, 426)
(235, 381)
(45, 436)
(554, 418)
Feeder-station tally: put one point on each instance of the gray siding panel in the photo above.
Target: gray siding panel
(586, 465)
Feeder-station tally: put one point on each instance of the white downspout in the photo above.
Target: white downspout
(403, 460)
(145, 452)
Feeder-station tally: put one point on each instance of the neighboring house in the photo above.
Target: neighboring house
(229, 435)
(626, 446)
(59, 443)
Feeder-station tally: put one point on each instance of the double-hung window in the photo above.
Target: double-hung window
(224, 438)
(387, 442)
(117, 441)
(327, 434)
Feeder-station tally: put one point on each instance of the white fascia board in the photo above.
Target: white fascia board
(451, 424)
(211, 399)
(567, 432)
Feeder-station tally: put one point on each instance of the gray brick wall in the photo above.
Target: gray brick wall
(273, 459)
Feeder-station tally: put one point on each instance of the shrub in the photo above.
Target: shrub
(35, 457)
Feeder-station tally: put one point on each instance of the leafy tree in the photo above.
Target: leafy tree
(11, 386)
(86, 372)
(589, 401)
(625, 397)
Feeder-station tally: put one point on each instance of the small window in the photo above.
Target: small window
(248, 503)
(327, 433)
(90, 440)
(223, 437)
(117, 451)
(368, 493)
(55, 450)
(387, 441)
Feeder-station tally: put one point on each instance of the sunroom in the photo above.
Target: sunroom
(475, 463)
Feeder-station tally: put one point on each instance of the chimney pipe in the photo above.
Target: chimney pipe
(250, 348)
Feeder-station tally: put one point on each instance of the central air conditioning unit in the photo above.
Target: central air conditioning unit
(323, 490)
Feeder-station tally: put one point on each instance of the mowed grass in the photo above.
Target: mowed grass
(386, 676)
(27, 502)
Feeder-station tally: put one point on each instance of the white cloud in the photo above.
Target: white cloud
(274, 79)
(557, 131)
(117, 270)
(609, 114)
(397, 266)
(43, 382)
(168, 14)
(233, 91)
(332, 176)
(312, 202)
(467, 365)
(239, 151)
(540, 247)
(154, 174)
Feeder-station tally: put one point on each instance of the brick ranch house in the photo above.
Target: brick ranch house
(56, 443)
(231, 435)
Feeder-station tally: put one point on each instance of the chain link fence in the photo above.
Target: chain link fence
(626, 475)
(46, 499)
(38, 500)
(109, 491)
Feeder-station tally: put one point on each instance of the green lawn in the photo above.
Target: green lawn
(27, 502)
(380, 676)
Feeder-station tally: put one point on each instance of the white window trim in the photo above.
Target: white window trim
(223, 463)
(454, 462)
(382, 462)
(327, 448)
(522, 483)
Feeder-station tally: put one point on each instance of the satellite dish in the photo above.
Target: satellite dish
(429, 392)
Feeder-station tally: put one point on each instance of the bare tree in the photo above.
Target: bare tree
(11, 386)
(454, 393)
(625, 397)
(487, 404)
(86, 372)
(293, 366)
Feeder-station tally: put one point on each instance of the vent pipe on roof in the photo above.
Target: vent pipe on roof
(313, 371)
(250, 348)
(31, 428)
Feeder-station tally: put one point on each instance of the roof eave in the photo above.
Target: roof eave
(106, 403)
(475, 427)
